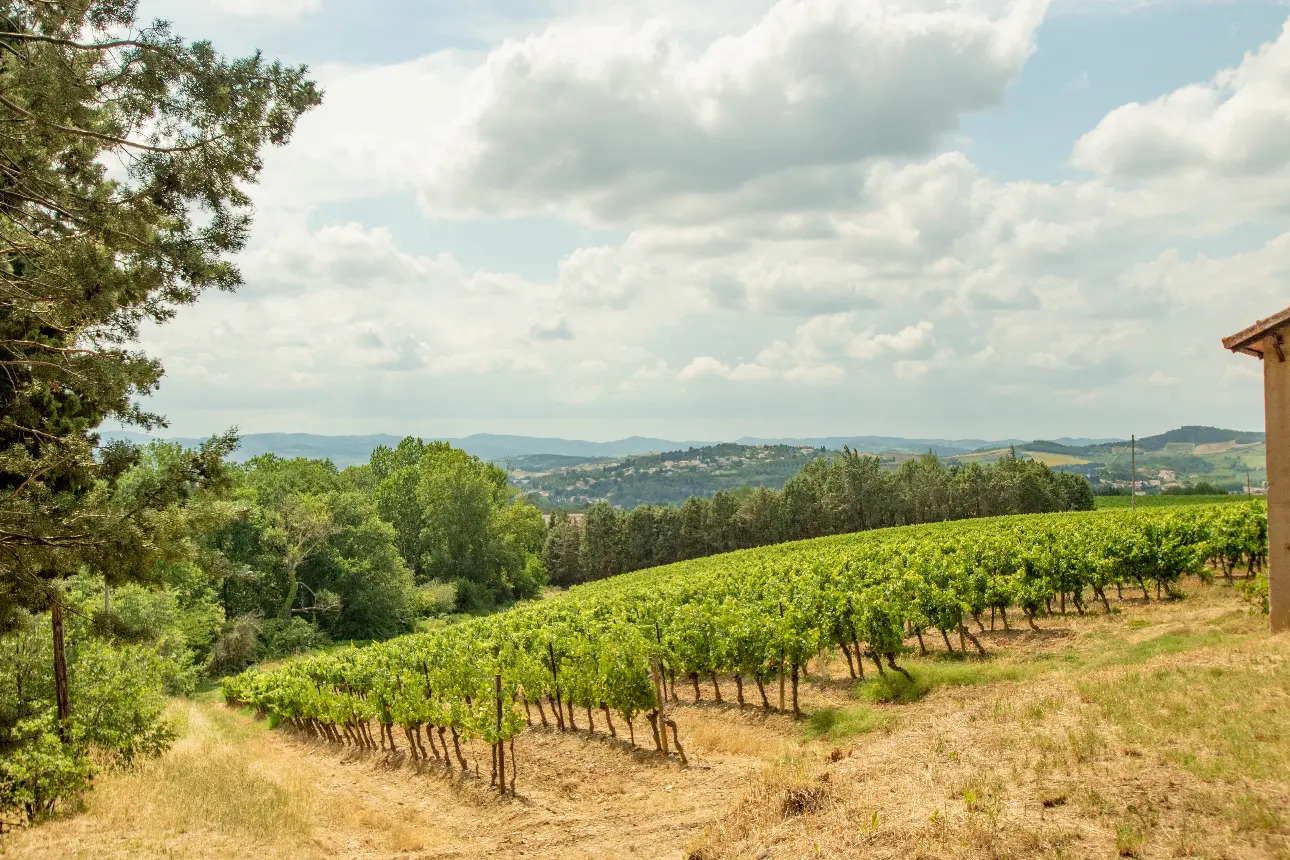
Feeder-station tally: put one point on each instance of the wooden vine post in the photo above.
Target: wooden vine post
(781, 658)
(500, 745)
(662, 715)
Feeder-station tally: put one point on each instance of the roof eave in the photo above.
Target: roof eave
(1250, 341)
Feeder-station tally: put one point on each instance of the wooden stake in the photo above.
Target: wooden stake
(1133, 465)
(658, 691)
(501, 750)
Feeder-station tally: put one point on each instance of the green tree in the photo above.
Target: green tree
(695, 538)
(360, 565)
(87, 256)
(1076, 491)
(456, 519)
(761, 518)
(603, 541)
(562, 550)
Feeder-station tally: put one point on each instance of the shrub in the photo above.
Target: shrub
(473, 596)
(436, 598)
(37, 770)
(236, 646)
(280, 638)
(1255, 592)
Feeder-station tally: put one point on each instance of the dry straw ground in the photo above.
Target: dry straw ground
(1160, 731)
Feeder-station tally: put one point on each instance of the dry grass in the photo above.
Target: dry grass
(1162, 730)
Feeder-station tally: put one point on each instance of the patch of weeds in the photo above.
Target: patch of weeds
(1138, 623)
(930, 674)
(804, 800)
(968, 674)
(1093, 799)
(1085, 742)
(1038, 710)
(1225, 619)
(838, 724)
(1251, 812)
(792, 789)
(1129, 839)
(894, 688)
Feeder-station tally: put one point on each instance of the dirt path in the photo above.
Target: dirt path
(231, 787)
(578, 796)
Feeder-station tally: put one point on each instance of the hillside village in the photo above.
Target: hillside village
(668, 477)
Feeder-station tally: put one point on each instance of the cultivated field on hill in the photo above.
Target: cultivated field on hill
(1130, 706)
(1161, 730)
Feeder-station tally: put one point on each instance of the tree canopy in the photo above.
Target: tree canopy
(125, 155)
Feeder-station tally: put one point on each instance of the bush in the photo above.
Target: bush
(37, 770)
(118, 704)
(236, 646)
(436, 598)
(1255, 592)
(473, 596)
(280, 638)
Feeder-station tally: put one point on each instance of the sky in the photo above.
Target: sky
(930, 218)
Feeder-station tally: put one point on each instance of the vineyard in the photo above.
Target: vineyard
(1168, 501)
(753, 619)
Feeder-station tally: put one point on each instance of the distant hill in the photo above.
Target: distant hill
(883, 444)
(349, 450)
(1188, 455)
(1189, 435)
(668, 477)
(1193, 453)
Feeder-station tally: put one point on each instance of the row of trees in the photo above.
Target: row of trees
(850, 492)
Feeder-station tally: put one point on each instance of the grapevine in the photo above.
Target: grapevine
(757, 615)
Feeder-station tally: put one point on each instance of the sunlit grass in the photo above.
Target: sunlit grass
(928, 675)
(839, 724)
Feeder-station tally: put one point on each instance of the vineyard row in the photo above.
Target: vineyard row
(619, 646)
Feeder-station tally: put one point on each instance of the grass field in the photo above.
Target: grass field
(1159, 731)
(1116, 502)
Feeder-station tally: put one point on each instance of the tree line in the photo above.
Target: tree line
(213, 565)
(850, 492)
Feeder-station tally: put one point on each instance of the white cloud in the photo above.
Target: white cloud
(791, 225)
(706, 365)
(611, 119)
(1237, 123)
(909, 339)
(282, 9)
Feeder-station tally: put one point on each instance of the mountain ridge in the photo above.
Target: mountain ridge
(347, 450)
